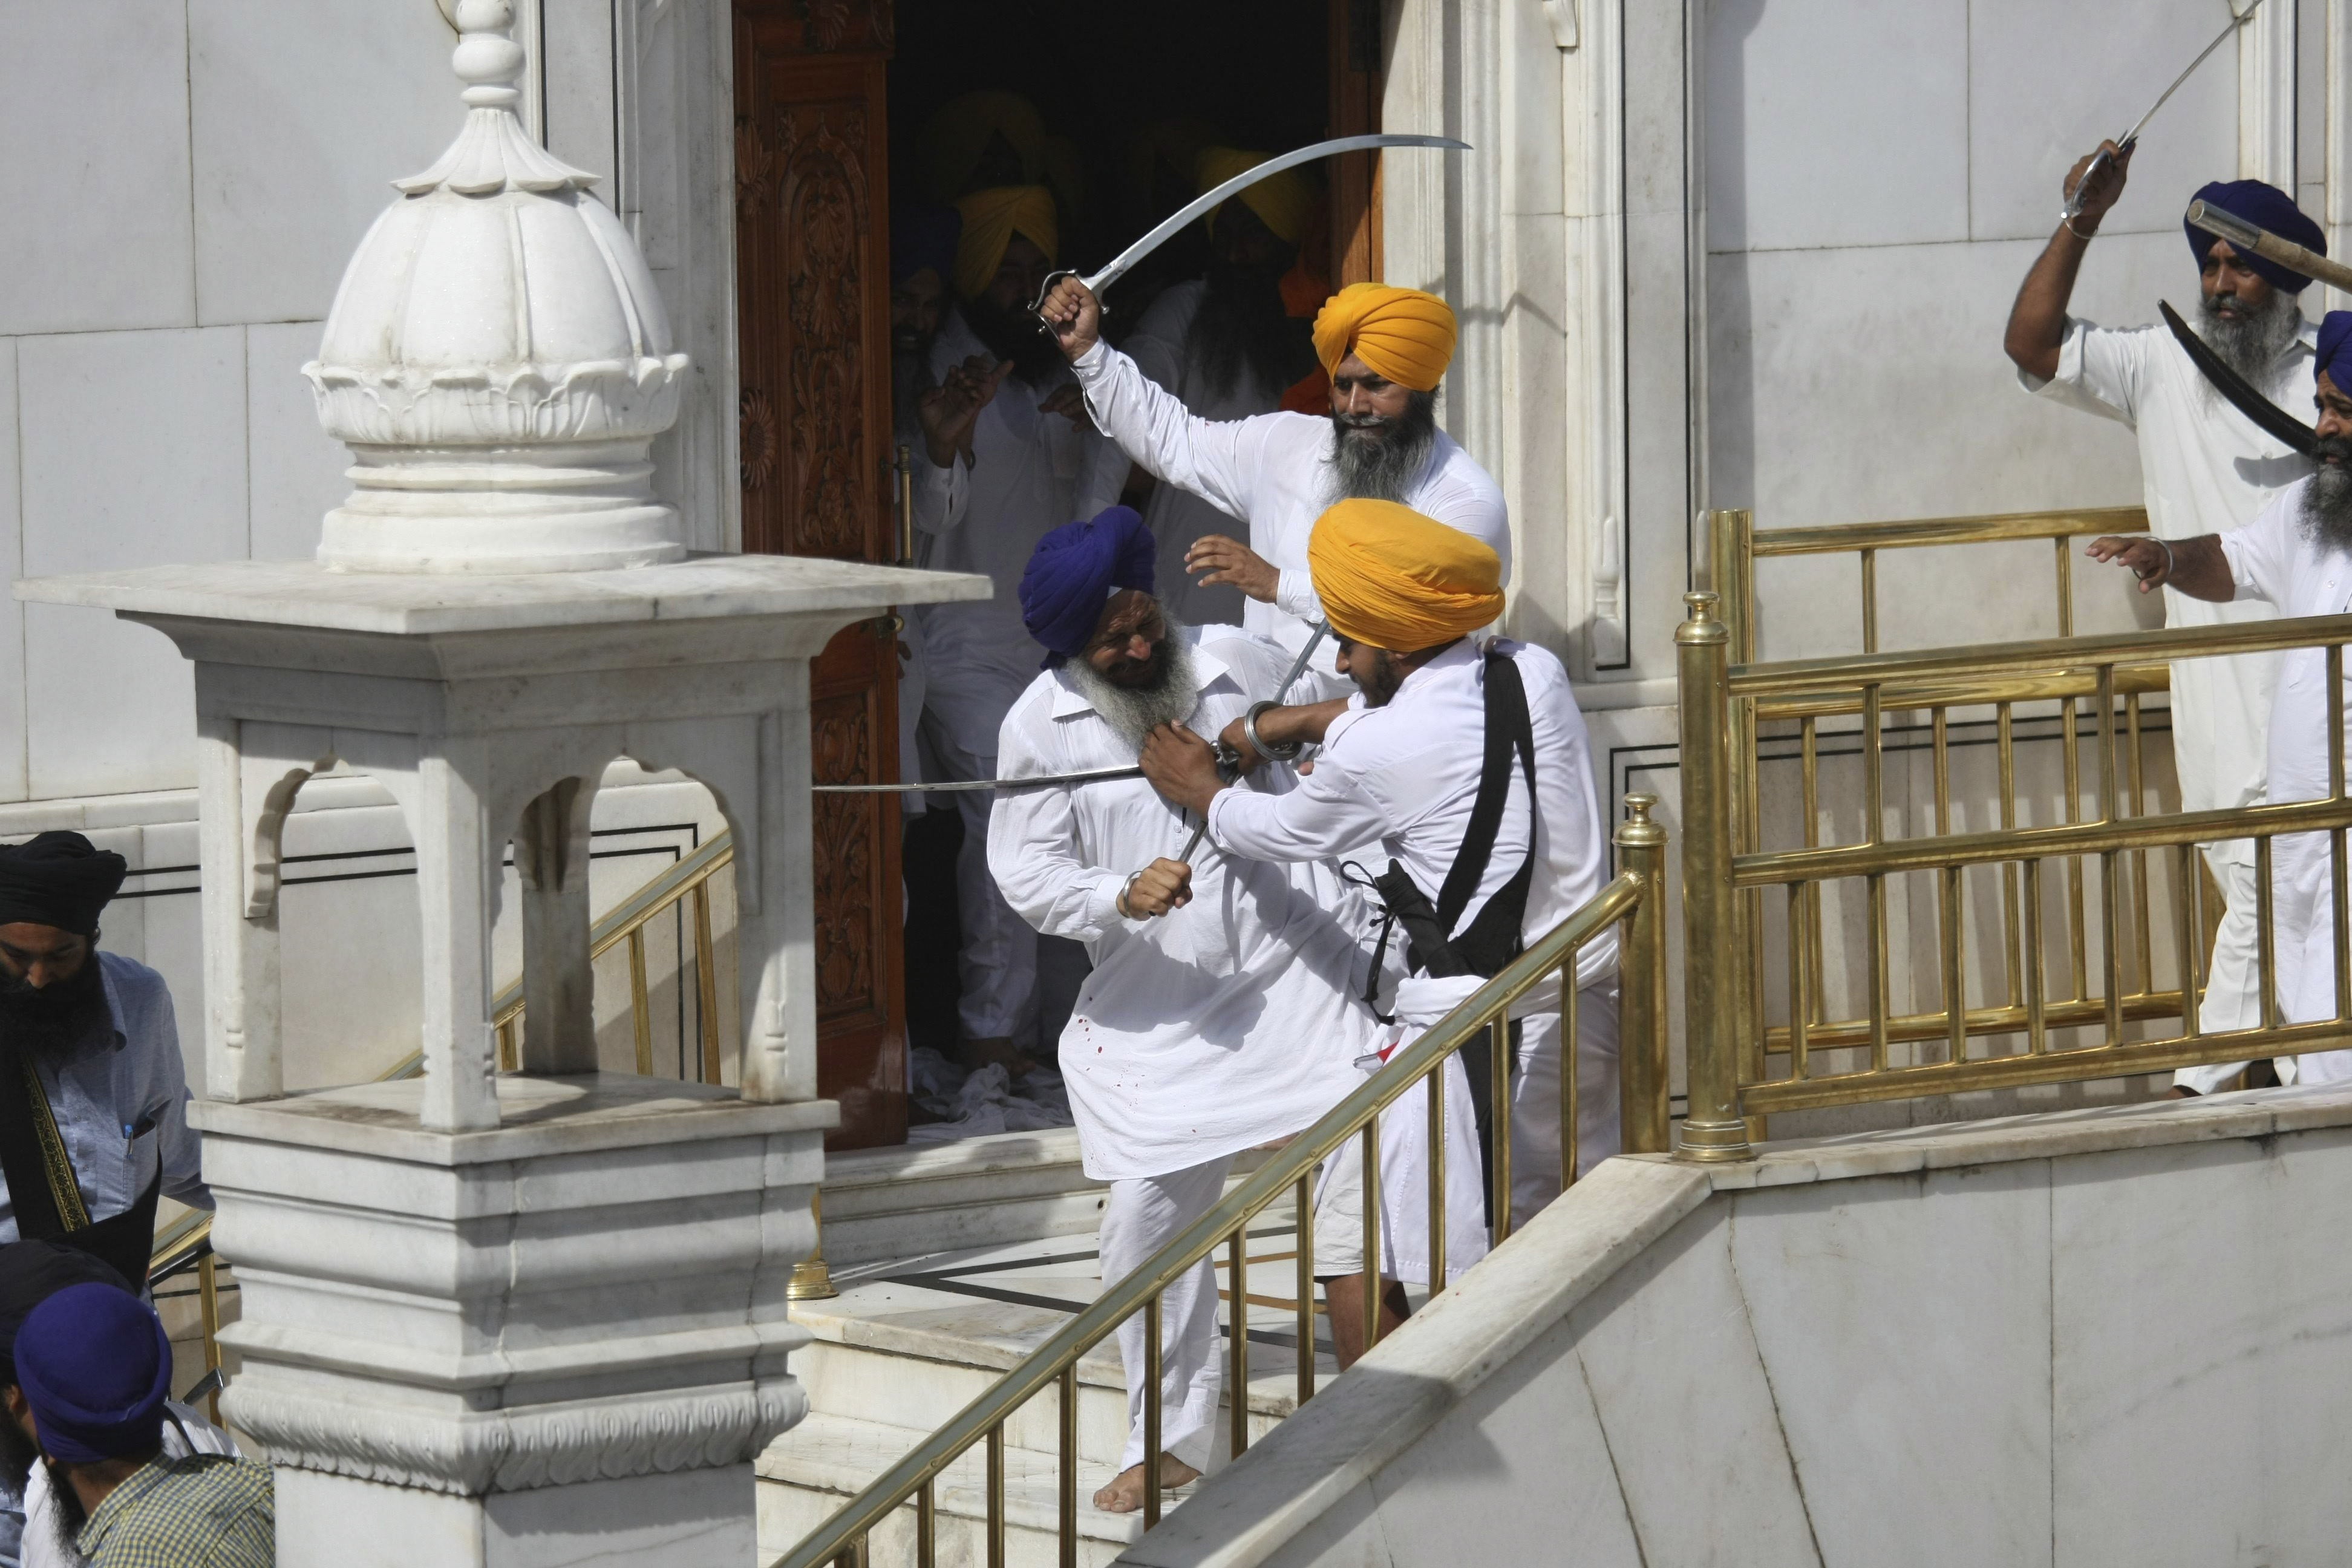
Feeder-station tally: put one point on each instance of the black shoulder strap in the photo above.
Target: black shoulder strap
(42, 1189)
(1508, 728)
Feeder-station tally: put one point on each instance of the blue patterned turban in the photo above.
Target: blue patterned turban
(2265, 207)
(1074, 569)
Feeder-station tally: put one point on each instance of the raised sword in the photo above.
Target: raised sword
(2124, 144)
(1176, 221)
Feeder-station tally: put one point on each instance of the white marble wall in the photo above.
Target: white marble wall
(2102, 1338)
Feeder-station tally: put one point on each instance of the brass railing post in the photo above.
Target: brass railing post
(811, 1281)
(1642, 996)
(1714, 1130)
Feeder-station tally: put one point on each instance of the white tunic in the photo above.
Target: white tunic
(1176, 517)
(2205, 468)
(1221, 1026)
(1276, 473)
(1405, 776)
(2272, 560)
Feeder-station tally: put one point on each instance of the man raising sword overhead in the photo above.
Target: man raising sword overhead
(2205, 468)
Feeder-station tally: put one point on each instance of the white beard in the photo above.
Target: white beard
(1133, 712)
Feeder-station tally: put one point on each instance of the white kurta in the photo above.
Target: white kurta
(2273, 562)
(1177, 517)
(1276, 473)
(1405, 777)
(1221, 1026)
(2204, 468)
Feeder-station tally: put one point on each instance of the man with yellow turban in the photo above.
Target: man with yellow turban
(1386, 349)
(1227, 348)
(1012, 468)
(1405, 768)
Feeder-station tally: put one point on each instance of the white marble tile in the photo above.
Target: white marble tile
(1685, 1407)
(1461, 1493)
(12, 615)
(297, 471)
(302, 112)
(2033, 110)
(1867, 1295)
(1837, 124)
(96, 496)
(2203, 1343)
(578, 71)
(94, 117)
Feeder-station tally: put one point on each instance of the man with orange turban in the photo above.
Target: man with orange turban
(1015, 465)
(1227, 347)
(1386, 349)
(1405, 767)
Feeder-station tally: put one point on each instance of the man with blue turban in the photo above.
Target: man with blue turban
(1220, 1012)
(2205, 468)
(2294, 556)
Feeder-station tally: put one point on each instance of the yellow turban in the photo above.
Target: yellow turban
(1285, 202)
(1403, 334)
(1395, 579)
(959, 136)
(991, 219)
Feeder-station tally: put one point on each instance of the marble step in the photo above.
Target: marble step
(806, 1475)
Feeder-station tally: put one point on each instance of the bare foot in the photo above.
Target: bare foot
(1125, 1495)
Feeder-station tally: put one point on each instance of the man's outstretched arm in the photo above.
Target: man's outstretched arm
(2037, 322)
(2196, 566)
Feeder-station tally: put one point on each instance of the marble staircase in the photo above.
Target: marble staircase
(909, 1341)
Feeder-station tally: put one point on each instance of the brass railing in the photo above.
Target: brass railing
(1634, 902)
(187, 1243)
(1742, 1065)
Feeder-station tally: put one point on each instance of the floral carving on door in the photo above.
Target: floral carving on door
(824, 286)
(845, 860)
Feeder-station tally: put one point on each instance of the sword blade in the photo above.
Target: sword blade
(1173, 225)
(1098, 775)
(2237, 20)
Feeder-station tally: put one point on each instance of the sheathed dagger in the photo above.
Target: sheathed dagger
(1176, 223)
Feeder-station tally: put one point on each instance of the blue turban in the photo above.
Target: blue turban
(2265, 207)
(2336, 350)
(95, 1366)
(923, 234)
(1071, 571)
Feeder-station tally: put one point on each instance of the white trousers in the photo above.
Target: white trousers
(998, 964)
(1535, 1150)
(2234, 991)
(1142, 1215)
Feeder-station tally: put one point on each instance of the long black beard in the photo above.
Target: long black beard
(2251, 344)
(67, 1516)
(54, 1018)
(1016, 335)
(910, 377)
(2326, 514)
(1241, 327)
(1383, 469)
(18, 1453)
(1169, 697)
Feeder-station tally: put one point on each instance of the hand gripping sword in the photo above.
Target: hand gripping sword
(1298, 669)
(1175, 224)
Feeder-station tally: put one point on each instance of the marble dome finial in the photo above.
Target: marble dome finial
(497, 358)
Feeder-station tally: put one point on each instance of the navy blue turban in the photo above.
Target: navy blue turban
(58, 878)
(923, 234)
(2336, 350)
(2265, 207)
(96, 1367)
(1071, 571)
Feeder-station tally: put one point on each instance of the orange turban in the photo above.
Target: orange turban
(1402, 333)
(1285, 202)
(991, 219)
(1395, 579)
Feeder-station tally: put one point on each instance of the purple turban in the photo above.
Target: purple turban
(2336, 350)
(58, 878)
(2265, 207)
(923, 234)
(1071, 571)
(96, 1367)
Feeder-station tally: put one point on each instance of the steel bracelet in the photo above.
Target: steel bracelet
(1284, 753)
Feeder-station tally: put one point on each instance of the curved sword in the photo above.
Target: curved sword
(1173, 225)
(2242, 393)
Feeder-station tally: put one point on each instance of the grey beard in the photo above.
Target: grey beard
(2326, 511)
(1384, 470)
(1134, 712)
(2251, 344)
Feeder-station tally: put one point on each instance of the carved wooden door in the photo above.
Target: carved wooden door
(811, 203)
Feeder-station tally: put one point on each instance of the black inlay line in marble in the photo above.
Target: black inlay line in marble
(1007, 1264)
